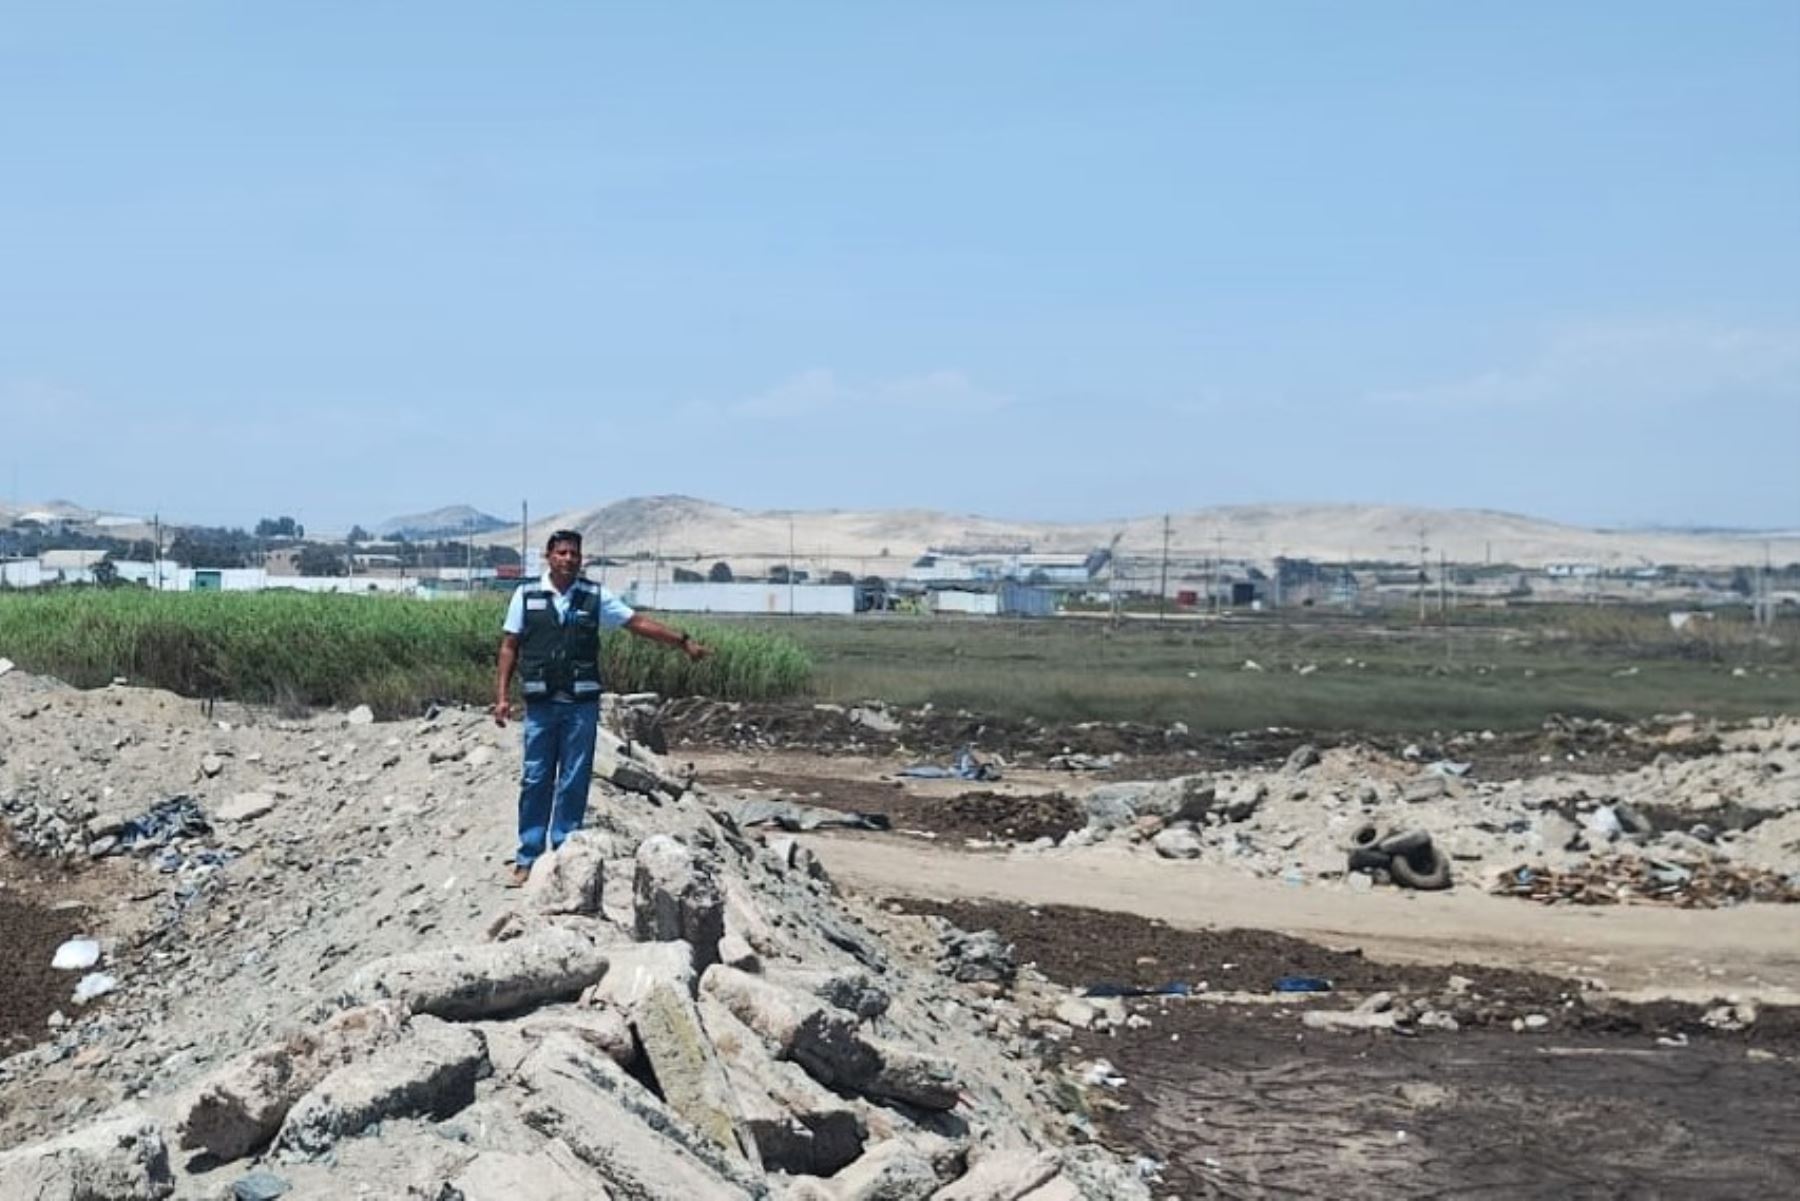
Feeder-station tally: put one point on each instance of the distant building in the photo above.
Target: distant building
(748, 597)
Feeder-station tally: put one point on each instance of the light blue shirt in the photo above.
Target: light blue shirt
(613, 611)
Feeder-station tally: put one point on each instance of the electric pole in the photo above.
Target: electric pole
(1422, 549)
(1162, 586)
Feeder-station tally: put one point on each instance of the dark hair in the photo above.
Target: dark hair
(563, 536)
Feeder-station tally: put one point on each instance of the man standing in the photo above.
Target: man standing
(552, 636)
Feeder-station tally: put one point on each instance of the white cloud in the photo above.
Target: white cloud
(819, 390)
(1636, 366)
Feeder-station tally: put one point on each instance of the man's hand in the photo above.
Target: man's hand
(695, 651)
(502, 710)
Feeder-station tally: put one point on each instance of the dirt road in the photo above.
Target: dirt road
(1639, 951)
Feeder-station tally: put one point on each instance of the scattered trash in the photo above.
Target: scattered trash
(967, 766)
(1303, 984)
(1621, 878)
(94, 985)
(177, 817)
(1173, 988)
(790, 816)
(76, 955)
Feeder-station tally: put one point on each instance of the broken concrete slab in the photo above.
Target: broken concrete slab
(642, 1148)
(822, 1039)
(634, 970)
(1003, 1176)
(797, 1125)
(569, 879)
(677, 896)
(927, 1081)
(246, 806)
(687, 1070)
(553, 1175)
(891, 1171)
(848, 988)
(430, 1072)
(488, 980)
(122, 1157)
(240, 1107)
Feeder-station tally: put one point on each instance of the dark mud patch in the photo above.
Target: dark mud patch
(981, 814)
(30, 931)
(1244, 1100)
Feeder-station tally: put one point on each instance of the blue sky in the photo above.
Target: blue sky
(344, 260)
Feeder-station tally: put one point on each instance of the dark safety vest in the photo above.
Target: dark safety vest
(559, 655)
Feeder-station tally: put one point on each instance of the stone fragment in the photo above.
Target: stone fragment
(796, 1125)
(903, 1074)
(1245, 800)
(553, 1174)
(635, 970)
(1075, 1012)
(641, 1147)
(849, 988)
(605, 1029)
(1003, 1176)
(245, 806)
(485, 980)
(122, 1157)
(676, 896)
(1178, 842)
(76, 955)
(687, 1070)
(569, 879)
(259, 1185)
(890, 1171)
(362, 715)
(431, 1071)
(211, 765)
(239, 1108)
(818, 1037)
(1305, 755)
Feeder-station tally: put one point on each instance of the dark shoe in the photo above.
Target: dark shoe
(516, 876)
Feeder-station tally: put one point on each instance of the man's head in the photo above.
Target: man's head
(563, 554)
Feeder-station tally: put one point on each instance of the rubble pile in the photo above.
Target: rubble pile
(1619, 879)
(352, 1005)
(1696, 828)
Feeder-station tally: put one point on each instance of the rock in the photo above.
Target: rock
(362, 715)
(568, 879)
(486, 980)
(1327, 1019)
(1178, 842)
(688, 1072)
(1306, 755)
(259, 1186)
(245, 806)
(1245, 800)
(903, 1074)
(550, 1174)
(1075, 1012)
(1429, 788)
(6, 665)
(978, 957)
(604, 1029)
(822, 1039)
(1003, 1176)
(850, 989)
(796, 1125)
(76, 955)
(737, 953)
(211, 765)
(890, 1171)
(643, 1149)
(1536, 1021)
(636, 970)
(240, 1107)
(120, 1158)
(878, 720)
(431, 1071)
(677, 897)
(1111, 806)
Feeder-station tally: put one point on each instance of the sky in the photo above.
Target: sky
(345, 260)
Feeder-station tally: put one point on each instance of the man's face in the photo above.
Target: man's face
(565, 561)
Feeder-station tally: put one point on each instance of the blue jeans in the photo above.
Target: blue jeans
(559, 758)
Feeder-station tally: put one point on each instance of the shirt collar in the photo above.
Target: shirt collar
(548, 586)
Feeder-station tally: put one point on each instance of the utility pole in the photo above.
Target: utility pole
(1443, 585)
(1218, 602)
(790, 566)
(156, 553)
(1422, 549)
(1162, 587)
(524, 535)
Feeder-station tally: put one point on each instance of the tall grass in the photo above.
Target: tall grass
(393, 654)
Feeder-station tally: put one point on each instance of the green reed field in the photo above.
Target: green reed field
(299, 650)
(1498, 670)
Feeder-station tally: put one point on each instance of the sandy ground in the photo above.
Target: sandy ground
(1643, 951)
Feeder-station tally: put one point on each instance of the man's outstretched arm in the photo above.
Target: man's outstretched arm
(656, 631)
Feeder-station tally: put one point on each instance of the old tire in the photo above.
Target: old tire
(1407, 842)
(1427, 870)
(1365, 838)
(1368, 859)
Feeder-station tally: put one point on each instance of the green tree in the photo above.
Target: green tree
(319, 560)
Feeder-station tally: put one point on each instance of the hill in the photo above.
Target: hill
(452, 521)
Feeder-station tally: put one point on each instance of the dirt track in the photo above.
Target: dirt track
(1749, 951)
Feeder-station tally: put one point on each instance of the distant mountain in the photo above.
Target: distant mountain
(455, 521)
(685, 528)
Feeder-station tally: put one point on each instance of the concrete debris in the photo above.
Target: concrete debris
(362, 715)
(489, 980)
(1178, 842)
(570, 879)
(635, 971)
(1620, 879)
(677, 897)
(246, 806)
(121, 1158)
(687, 1069)
(76, 955)
(430, 1071)
(979, 956)
(241, 1107)
(259, 1186)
